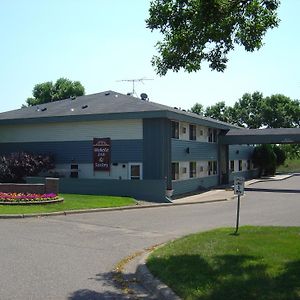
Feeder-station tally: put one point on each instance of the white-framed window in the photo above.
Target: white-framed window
(232, 166)
(240, 165)
(135, 171)
(192, 132)
(212, 167)
(192, 169)
(175, 170)
(175, 130)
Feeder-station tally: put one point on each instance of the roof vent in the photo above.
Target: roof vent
(129, 94)
(175, 107)
(144, 97)
(107, 93)
(44, 109)
(84, 106)
(73, 97)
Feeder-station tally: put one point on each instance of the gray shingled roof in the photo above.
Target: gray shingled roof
(104, 103)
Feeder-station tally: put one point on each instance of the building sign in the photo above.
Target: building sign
(101, 154)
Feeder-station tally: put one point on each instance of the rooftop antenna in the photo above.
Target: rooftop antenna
(133, 83)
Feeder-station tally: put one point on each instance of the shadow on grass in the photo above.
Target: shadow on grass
(226, 277)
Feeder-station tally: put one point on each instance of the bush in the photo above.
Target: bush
(15, 166)
(265, 159)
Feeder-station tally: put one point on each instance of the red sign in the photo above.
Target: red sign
(101, 154)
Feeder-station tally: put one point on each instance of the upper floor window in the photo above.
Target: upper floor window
(212, 135)
(232, 166)
(175, 130)
(193, 132)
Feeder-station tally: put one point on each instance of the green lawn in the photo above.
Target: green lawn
(71, 202)
(259, 263)
(290, 166)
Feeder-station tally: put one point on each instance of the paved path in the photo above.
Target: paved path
(71, 257)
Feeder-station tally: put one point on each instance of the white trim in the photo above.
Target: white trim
(135, 164)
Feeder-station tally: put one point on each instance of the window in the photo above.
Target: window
(175, 171)
(240, 165)
(135, 171)
(212, 135)
(232, 166)
(175, 130)
(248, 164)
(215, 135)
(192, 169)
(192, 132)
(183, 130)
(212, 167)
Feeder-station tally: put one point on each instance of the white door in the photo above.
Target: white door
(135, 171)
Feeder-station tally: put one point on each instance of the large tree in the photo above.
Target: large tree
(194, 31)
(48, 92)
(256, 111)
(220, 111)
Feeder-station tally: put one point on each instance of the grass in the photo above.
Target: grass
(259, 263)
(290, 165)
(71, 202)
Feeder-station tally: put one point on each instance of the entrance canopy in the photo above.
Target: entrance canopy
(261, 136)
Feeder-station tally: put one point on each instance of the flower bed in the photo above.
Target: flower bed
(28, 198)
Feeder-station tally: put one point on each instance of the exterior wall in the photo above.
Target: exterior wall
(157, 149)
(194, 184)
(184, 151)
(72, 131)
(241, 153)
(152, 190)
(72, 143)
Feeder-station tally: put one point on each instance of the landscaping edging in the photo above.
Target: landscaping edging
(32, 202)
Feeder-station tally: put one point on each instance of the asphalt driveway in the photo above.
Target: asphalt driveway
(71, 257)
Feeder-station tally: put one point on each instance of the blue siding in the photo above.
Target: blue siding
(197, 150)
(151, 190)
(192, 185)
(237, 152)
(157, 149)
(80, 151)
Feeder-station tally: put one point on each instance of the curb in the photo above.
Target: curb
(71, 212)
(154, 286)
(82, 211)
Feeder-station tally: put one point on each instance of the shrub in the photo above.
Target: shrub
(15, 166)
(264, 158)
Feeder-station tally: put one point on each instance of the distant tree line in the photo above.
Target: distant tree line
(255, 111)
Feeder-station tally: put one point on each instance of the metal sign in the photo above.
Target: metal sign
(239, 185)
(101, 154)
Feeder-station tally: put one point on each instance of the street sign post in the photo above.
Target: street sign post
(239, 187)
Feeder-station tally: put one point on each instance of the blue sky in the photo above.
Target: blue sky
(101, 42)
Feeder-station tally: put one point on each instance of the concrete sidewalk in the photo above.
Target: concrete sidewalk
(224, 192)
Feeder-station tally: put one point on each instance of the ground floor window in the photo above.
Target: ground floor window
(192, 169)
(232, 166)
(240, 165)
(212, 167)
(175, 171)
(135, 171)
(248, 164)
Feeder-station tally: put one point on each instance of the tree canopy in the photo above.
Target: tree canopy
(194, 31)
(256, 111)
(63, 88)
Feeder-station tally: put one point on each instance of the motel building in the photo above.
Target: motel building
(114, 144)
